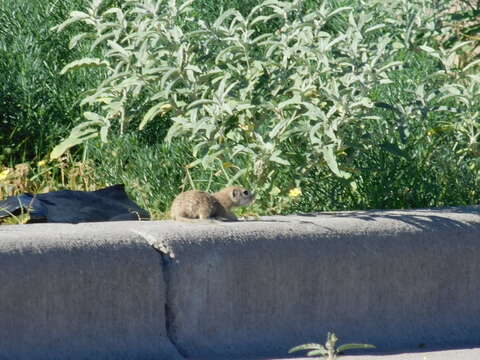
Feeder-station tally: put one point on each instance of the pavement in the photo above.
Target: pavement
(457, 354)
(438, 354)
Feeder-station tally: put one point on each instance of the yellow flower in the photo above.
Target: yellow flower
(166, 108)
(4, 174)
(41, 163)
(104, 100)
(246, 127)
(294, 193)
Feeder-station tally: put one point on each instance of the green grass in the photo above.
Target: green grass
(38, 107)
(153, 173)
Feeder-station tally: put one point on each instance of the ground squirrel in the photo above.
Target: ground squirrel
(201, 205)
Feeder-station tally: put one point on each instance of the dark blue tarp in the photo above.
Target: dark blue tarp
(68, 206)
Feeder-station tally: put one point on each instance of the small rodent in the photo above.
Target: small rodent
(201, 205)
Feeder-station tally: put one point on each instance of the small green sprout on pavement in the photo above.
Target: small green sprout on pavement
(328, 352)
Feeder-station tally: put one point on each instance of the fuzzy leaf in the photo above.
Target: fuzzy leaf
(75, 16)
(224, 16)
(345, 347)
(75, 40)
(339, 10)
(91, 116)
(85, 62)
(430, 51)
(153, 111)
(321, 352)
(309, 346)
(329, 156)
(78, 135)
(389, 65)
(472, 64)
(275, 158)
(200, 103)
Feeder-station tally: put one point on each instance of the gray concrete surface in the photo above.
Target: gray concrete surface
(241, 290)
(91, 291)
(393, 279)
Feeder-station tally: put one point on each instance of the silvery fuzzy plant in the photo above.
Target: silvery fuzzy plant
(242, 97)
(329, 351)
(235, 94)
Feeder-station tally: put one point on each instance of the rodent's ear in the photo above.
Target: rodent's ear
(236, 193)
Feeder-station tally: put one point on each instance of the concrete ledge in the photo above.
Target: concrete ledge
(91, 291)
(396, 279)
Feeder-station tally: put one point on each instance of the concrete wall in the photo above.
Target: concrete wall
(91, 291)
(393, 279)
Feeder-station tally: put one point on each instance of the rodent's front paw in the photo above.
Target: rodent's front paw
(249, 217)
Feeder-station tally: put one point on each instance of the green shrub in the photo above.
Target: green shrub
(241, 97)
(360, 106)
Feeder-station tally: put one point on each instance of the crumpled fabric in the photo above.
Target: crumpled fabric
(68, 206)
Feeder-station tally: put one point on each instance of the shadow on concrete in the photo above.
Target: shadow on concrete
(411, 217)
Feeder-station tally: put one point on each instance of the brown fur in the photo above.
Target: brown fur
(201, 205)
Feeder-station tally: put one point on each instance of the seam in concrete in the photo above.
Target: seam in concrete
(169, 314)
(165, 255)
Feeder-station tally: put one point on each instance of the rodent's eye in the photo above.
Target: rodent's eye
(246, 193)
